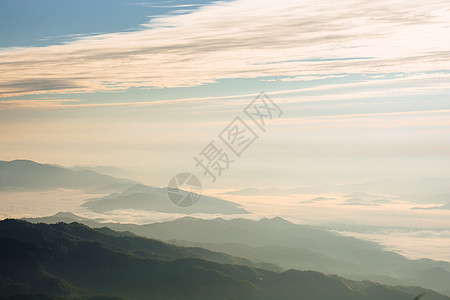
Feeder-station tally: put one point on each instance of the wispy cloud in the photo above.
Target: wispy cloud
(156, 5)
(371, 120)
(309, 78)
(35, 103)
(236, 40)
(425, 84)
(441, 207)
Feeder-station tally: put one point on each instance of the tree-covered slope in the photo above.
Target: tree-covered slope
(73, 261)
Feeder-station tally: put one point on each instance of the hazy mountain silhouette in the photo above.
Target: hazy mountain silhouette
(27, 175)
(76, 262)
(107, 170)
(142, 197)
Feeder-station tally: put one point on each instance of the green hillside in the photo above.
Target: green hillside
(73, 261)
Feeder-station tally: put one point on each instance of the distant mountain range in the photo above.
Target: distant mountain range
(420, 190)
(289, 245)
(73, 261)
(27, 175)
(142, 197)
(272, 245)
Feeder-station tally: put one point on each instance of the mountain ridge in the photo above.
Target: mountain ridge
(28, 175)
(73, 261)
(289, 245)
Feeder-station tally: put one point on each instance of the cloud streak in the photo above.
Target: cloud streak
(236, 40)
(408, 85)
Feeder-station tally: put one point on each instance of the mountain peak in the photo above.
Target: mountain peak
(62, 214)
(138, 188)
(275, 221)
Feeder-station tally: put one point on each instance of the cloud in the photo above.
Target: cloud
(362, 195)
(407, 85)
(359, 203)
(150, 4)
(365, 202)
(404, 119)
(317, 199)
(413, 243)
(310, 78)
(236, 40)
(35, 104)
(440, 207)
(37, 86)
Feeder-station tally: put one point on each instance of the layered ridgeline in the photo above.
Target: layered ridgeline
(147, 198)
(74, 261)
(27, 175)
(289, 245)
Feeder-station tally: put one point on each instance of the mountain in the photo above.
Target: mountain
(264, 232)
(76, 262)
(302, 247)
(27, 175)
(421, 190)
(141, 197)
(107, 170)
(289, 245)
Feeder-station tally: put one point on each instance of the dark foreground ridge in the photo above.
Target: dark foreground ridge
(288, 246)
(73, 261)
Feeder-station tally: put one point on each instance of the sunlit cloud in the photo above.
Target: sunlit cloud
(420, 84)
(309, 78)
(35, 104)
(428, 118)
(240, 39)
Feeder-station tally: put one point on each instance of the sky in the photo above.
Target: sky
(146, 86)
